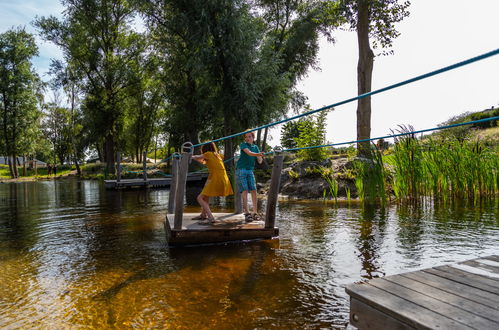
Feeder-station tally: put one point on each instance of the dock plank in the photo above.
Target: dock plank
(401, 309)
(454, 299)
(471, 279)
(457, 314)
(465, 291)
(464, 295)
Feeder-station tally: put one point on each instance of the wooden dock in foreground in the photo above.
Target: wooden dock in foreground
(464, 295)
(228, 227)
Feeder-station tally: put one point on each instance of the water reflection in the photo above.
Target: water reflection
(75, 255)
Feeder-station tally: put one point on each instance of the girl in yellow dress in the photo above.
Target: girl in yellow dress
(217, 184)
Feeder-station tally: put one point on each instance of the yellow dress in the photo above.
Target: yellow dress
(218, 183)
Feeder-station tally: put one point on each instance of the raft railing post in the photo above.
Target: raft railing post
(274, 189)
(182, 179)
(173, 183)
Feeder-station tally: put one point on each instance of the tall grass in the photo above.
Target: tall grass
(444, 169)
(371, 176)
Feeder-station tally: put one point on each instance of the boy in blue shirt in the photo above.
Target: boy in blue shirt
(244, 172)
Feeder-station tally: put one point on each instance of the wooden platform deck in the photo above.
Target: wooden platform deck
(149, 182)
(457, 296)
(228, 227)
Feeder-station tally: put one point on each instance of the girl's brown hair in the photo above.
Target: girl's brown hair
(209, 147)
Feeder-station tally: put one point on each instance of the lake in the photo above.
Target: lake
(73, 255)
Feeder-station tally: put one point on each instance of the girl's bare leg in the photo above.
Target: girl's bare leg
(204, 201)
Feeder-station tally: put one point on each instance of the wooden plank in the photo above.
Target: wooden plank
(481, 310)
(365, 317)
(180, 191)
(228, 227)
(469, 275)
(273, 192)
(483, 265)
(401, 309)
(493, 258)
(465, 291)
(173, 185)
(457, 314)
(467, 280)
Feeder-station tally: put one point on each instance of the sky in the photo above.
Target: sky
(437, 33)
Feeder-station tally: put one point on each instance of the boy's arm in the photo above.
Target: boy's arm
(253, 154)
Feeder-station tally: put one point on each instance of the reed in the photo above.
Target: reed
(444, 168)
(371, 176)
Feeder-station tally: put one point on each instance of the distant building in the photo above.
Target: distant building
(20, 162)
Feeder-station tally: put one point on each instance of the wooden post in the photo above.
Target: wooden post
(144, 167)
(238, 203)
(118, 170)
(180, 191)
(273, 191)
(36, 168)
(173, 185)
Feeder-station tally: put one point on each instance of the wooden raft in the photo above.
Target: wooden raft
(228, 227)
(182, 230)
(457, 296)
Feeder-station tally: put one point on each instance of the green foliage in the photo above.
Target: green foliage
(371, 176)
(289, 132)
(329, 176)
(20, 92)
(312, 132)
(293, 175)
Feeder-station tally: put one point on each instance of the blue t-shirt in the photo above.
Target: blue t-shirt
(245, 161)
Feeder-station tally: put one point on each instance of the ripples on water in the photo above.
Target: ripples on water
(74, 255)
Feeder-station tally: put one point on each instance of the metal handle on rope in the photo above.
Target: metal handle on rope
(189, 146)
(278, 149)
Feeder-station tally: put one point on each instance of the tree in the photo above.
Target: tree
(289, 132)
(57, 127)
(19, 93)
(312, 132)
(64, 78)
(228, 67)
(98, 43)
(371, 19)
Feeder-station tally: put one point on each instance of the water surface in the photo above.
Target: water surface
(73, 255)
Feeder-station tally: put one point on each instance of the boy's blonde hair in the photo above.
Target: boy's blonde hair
(249, 132)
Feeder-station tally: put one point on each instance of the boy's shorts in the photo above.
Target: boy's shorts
(245, 180)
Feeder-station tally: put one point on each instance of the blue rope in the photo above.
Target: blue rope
(405, 82)
(394, 135)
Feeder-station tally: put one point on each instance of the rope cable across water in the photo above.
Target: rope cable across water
(405, 82)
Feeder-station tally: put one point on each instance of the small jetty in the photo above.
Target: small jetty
(144, 181)
(181, 229)
(149, 182)
(464, 295)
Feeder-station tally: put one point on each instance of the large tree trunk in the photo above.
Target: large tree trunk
(364, 78)
(11, 169)
(109, 149)
(78, 169)
(99, 152)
